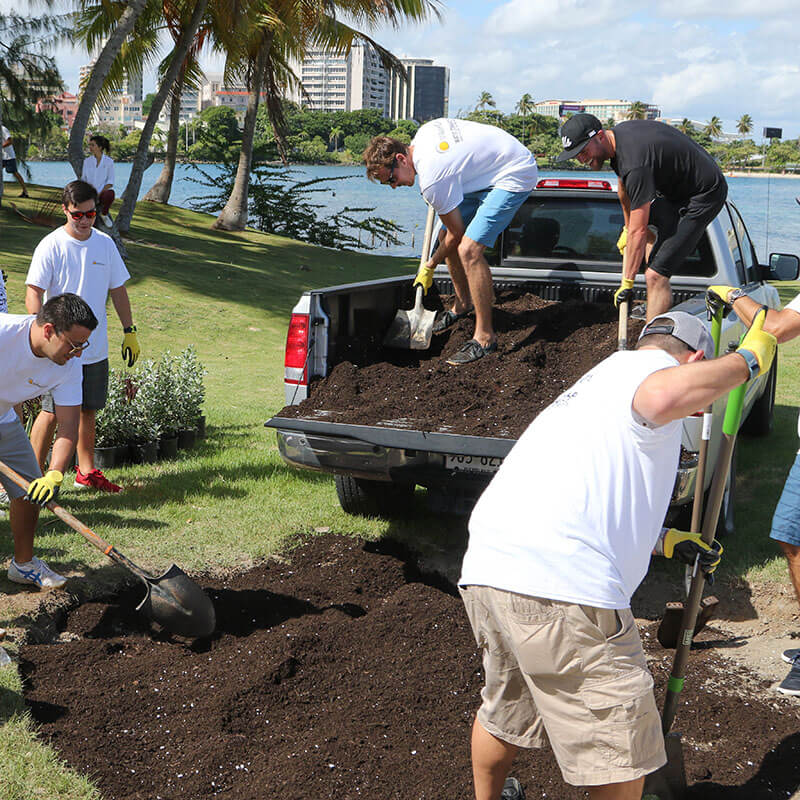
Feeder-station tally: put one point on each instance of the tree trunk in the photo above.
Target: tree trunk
(2, 182)
(140, 160)
(160, 190)
(234, 216)
(96, 79)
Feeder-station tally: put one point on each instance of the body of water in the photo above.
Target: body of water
(767, 205)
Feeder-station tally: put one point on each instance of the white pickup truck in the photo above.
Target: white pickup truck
(561, 243)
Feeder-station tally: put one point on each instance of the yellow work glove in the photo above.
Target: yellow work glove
(624, 292)
(424, 278)
(622, 241)
(43, 490)
(687, 547)
(758, 347)
(717, 297)
(130, 346)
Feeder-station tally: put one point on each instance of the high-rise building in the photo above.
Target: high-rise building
(131, 84)
(604, 110)
(121, 108)
(426, 93)
(369, 80)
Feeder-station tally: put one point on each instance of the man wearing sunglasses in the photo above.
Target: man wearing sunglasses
(476, 177)
(39, 354)
(81, 259)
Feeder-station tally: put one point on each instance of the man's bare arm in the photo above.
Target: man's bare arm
(122, 305)
(454, 226)
(783, 325)
(33, 298)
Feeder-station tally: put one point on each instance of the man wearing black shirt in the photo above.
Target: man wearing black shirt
(666, 180)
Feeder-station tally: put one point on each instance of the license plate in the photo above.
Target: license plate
(473, 463)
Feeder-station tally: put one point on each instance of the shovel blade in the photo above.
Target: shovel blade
(178, 604)
(668, 782)
(411, 330)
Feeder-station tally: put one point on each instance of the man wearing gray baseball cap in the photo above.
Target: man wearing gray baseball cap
(666, 180)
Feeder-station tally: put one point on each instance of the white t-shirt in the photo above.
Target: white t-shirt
(89, 269)
(98, 174)
(26, 375)
(455, 156)
(3, 296)
(8, 152)
(576, 508)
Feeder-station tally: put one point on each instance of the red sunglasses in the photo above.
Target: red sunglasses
(79, 214)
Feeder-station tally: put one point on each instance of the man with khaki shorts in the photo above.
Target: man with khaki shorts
(558, 543)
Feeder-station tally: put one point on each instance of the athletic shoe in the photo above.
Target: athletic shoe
(447, 319)
(95, 479)
(4, 500)
(106, 219)
(5, 658)
(37, 573)
(512, 790)
(471, 351)
(791, 683)
(790, 655)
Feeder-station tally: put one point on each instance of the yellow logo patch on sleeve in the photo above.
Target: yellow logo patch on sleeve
(443, 147)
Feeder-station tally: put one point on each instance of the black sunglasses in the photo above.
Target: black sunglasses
(79, 214)
(392, 180)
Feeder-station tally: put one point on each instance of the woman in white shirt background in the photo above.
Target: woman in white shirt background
(98, 169)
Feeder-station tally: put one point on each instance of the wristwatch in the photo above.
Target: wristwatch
(132, 328)
(735, 295)
(750, 360)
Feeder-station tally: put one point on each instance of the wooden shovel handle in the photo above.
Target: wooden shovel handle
(426, 241)
(622, 330)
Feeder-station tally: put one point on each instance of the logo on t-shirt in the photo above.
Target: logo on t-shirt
(443, 147)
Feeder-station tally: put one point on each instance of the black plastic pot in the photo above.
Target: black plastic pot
(168, 447)
(187, 438)
(146, 453)
(106, 457)
(200, 426)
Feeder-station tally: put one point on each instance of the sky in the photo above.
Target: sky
(692, 58)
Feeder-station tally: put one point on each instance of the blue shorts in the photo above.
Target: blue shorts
(487, 213)
(786, 520)
(10, 165)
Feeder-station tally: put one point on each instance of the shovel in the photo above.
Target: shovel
(173, 601)
(669, 628)
(669, 782)
(622, 330)
(412, 330)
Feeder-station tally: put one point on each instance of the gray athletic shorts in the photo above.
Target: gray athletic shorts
(17, 453)
(95, 388)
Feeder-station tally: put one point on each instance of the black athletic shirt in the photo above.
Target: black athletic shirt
(655, 157)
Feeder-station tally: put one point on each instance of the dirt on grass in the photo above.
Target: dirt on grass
(345, 672)
(544, 346)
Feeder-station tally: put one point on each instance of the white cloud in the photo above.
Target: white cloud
(534, 17)
(758, 9)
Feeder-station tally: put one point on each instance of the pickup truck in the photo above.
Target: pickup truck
(562, 242)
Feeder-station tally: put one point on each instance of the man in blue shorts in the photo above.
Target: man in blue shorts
(476, 177)
(784, 325)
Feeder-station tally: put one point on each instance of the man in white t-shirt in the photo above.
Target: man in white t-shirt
(38, 354)
(476, 177)
(558, 543)
(10, 159)
(784, 325)
(78, 258)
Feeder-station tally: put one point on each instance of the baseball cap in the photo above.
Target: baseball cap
(685, 327)
(575, 134)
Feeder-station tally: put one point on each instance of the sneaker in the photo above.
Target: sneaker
(790, 655)
(512, 790)
(447, 319)
(106, 220)
(95, 479)
(471, 351)
(4, 501)
(37, 573)
(791, 683)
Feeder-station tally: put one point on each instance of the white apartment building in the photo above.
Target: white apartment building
(120, 109)
(602, 109)
(190, 103)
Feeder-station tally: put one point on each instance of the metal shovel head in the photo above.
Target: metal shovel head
(178, 604)
(668, 782)
(411, 330)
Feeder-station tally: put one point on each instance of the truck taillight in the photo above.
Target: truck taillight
(294, 362)
(572, 183)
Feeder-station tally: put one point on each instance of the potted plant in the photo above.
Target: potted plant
(160, 396)
(190, 390)
(111, 425)
(142, 423)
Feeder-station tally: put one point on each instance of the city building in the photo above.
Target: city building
(190, 105)
(131, 84)
(64, 104)
(604, 110)
(122, 108)
(326, 81)
(369, 80)
(426, 93)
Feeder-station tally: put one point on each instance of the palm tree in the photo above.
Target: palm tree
(286, 29)
(744, 125)
(485, 99)
(714, 127)
(334, 137)
(637, 110)
(525, 105)
(686, 126)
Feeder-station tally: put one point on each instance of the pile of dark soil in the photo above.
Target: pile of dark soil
(543, 348)
(344, 673)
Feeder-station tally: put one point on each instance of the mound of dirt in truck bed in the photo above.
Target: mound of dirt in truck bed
(543, 348)
(344, 672)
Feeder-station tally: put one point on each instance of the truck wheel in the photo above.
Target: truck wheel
(725, 523)
(373, 498)
(759, 420)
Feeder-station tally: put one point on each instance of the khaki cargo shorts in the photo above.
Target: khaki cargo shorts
(573, 675)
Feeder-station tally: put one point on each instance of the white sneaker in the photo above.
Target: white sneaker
(4, 499)
(35, 572)
(107, 221)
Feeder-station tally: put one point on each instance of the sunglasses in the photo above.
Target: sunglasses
(391, 181)
(76, 348)
(79, 214)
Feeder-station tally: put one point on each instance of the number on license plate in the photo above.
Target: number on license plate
(473, 463)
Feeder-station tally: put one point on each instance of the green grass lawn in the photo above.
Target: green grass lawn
(232, 501)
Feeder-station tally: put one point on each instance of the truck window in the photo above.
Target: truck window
(745, 259)
(570, 229)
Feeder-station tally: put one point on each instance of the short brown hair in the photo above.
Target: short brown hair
(381, 153)
(77, 192)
